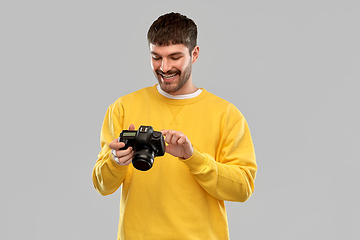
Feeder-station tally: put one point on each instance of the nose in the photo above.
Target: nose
(165, 65)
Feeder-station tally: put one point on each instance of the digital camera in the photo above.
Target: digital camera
(146, 143)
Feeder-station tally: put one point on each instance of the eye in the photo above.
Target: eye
(175, 58)
(156, 58)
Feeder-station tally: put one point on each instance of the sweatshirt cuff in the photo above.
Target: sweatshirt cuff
(115, 166)
(197, 162)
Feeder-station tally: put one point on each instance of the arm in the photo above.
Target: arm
(109, 174)
(228, 177)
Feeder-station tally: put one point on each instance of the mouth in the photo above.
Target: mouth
(168, 77)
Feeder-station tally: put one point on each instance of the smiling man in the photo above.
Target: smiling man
(209, 155)
(172, 67)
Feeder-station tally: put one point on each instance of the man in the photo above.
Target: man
(209, 155)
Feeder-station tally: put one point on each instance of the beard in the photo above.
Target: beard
(176, 85)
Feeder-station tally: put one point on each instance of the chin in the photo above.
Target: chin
(169, 88)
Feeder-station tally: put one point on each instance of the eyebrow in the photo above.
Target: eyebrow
(172, 54)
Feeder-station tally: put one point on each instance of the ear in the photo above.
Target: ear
(195, 53)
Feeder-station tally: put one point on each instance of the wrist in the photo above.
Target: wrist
(189, 154)
(197, 162)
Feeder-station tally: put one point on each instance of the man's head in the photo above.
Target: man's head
(173, 28)
(172, 42)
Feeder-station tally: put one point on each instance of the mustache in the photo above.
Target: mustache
(168, 72)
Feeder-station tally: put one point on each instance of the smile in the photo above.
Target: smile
(168, 78)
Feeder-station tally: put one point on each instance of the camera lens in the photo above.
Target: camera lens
(143, 158)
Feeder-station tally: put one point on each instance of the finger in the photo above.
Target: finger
(128, 162)
(174, 138)
(123, 153)
(124, 164)
(132, 127)
(115, 144)
(127, 158)
(111, 145)
(182, 140)
(177, 138)
(168, 137)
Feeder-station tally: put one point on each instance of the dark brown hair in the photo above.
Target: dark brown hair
(173, 28)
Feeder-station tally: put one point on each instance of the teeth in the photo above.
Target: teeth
(169, 76)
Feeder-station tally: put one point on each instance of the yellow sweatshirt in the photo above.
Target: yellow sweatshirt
(176, 198)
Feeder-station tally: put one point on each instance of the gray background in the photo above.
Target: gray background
(291, 67)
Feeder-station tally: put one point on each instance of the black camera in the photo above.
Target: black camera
(146, 143)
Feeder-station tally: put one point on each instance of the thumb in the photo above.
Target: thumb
(131, 127)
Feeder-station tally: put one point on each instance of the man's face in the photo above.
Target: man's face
(172, 67)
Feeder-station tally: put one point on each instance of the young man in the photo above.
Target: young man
(209, 155)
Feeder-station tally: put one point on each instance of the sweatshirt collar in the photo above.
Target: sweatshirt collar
(179, 100)
(179, 97)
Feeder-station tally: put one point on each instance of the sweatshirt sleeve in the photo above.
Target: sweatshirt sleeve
(107, 175)
(231, 175)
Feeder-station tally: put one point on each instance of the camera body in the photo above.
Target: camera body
(146, 143)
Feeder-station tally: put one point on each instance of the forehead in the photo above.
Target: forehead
(168, 50)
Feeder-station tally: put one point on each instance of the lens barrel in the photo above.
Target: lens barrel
(143, 158)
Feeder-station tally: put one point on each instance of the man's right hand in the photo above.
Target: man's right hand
(122, 157)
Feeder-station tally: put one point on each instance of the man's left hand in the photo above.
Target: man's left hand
(178, 144)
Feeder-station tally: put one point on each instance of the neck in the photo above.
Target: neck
(188, 88)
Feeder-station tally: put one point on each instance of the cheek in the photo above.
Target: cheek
(182, 66)
(154, 65)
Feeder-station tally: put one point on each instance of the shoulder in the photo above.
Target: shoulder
(129, 100)
(144, 93)
(222, 105)
(137, 94)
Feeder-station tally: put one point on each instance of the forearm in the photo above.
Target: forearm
(230, 182)
(107, 175)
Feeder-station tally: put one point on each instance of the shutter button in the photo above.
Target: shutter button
(156, 134)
